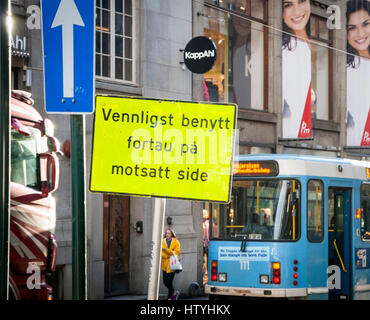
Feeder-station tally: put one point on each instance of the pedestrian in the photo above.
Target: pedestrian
(170, 246)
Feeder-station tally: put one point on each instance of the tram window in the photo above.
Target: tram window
(265, 210)
(365, 212)
(315, 211)
(215, 230)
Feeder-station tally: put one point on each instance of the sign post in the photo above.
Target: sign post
(4, 147)
(155, 259)
(68, 29)
(79, 253)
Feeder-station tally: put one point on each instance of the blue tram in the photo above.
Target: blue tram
(297, 227)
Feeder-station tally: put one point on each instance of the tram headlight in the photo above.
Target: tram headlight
(264, 279)
(222, 277)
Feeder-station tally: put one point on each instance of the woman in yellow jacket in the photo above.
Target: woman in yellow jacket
(170, 246)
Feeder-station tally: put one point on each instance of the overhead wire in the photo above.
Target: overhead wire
(276, 31)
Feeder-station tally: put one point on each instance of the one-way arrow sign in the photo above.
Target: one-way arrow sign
(68, 29)
(67, 16)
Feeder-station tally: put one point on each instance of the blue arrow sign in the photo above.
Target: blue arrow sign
(68, 31)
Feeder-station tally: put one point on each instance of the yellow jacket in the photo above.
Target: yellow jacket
(174, 246)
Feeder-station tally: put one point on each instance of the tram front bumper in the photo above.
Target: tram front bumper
(256, 292)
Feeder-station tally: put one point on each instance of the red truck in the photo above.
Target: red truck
(34, 176)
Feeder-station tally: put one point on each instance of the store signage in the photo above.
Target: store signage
(19, 42)
(19, 46)
(160, 148)
(200, 55)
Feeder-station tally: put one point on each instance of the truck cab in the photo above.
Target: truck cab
(34, 175)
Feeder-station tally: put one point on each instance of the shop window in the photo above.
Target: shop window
(114, 40)
(365, 212)
(239, 75)
(320, 68)
(315, 211)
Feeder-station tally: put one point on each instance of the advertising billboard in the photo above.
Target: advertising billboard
(296, 70)
(358, 71)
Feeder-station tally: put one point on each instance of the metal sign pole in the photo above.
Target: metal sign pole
(155, 260)
(79, 254)
(68, 37)
(4, 146)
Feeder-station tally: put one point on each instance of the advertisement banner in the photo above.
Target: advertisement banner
(296, 70)
(358, 69)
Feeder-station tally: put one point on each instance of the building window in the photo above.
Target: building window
(114, 40)
(321, 68)
(239, 75)
(315, 211)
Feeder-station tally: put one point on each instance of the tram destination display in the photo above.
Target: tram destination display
(256, 169)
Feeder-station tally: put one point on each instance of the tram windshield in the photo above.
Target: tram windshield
(267, 210)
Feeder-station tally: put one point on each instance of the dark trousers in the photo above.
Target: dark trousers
(168, 280)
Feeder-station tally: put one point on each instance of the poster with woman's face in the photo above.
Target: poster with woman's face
(296, 69)
(358, 69)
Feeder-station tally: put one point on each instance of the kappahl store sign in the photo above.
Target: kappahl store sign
(200, 55)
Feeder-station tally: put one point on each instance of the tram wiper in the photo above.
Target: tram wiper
(243, 244)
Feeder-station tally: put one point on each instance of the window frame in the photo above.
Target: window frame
(266, 59)
(112, 54)
(329, 43)
(322, 212)
(208, 3)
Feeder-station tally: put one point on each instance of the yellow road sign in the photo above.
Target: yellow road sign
(162, 148)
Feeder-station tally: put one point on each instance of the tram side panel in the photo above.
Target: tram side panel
(361, 248)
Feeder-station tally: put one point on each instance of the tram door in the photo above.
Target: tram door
(339, 243)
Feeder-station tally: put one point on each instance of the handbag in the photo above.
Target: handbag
(175, 264)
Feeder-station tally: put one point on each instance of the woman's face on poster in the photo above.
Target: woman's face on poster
(359, 30)
(296, 14)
